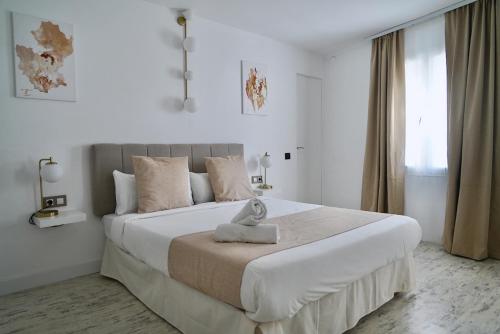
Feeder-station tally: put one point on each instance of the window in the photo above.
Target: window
(426, 118)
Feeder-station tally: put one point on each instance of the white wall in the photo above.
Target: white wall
(344, 128)
(128, 62)
(345, 135)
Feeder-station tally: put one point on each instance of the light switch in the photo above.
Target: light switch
(256, 179)
(54, 201)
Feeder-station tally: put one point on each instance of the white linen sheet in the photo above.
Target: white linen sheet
(274, 286)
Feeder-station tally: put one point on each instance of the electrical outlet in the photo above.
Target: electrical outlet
(287, 156)
(54, 201)
(256, 179)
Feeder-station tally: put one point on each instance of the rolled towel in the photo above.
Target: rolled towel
(252, 213)
(261, 234)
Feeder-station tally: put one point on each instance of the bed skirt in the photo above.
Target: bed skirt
(193, 312)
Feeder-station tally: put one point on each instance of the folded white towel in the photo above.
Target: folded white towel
(261, 234)
(252, 213)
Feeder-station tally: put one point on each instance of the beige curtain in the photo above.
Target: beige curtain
(472, 226)
(383, 174)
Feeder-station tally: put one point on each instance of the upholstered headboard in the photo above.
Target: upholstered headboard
(108, 157)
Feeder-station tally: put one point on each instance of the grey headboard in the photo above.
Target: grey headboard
(108, 157)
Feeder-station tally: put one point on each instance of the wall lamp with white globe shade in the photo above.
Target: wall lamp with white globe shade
(51, 172)
(188, 45)
(265, 162)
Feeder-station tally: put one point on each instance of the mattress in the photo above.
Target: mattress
(278, 285)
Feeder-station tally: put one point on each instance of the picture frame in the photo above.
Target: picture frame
(254, 85)
(44, 58)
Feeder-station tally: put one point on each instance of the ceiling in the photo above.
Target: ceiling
(322, 26)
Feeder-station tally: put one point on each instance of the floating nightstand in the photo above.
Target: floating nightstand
(270, 192)
(63, 218)
(258, 192)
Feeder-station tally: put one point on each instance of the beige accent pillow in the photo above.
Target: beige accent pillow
(162, 183)
(229, 178)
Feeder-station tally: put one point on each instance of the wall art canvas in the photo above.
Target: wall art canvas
(254, 88)
(44, 58)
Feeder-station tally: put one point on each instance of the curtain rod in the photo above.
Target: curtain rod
(422, 18)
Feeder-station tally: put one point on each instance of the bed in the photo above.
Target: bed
(321, 287)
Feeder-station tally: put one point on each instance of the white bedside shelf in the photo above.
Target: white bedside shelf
(63, 218)
(266, 192)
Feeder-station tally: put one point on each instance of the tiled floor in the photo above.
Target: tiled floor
(453, 295)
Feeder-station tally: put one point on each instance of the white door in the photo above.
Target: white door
(309, 139)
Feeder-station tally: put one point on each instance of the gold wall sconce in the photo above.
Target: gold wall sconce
(48, 171)
(266, 162)
(188, 45)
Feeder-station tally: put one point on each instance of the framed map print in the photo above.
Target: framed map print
(44, 58)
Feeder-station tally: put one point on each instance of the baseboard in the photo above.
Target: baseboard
(48, 277)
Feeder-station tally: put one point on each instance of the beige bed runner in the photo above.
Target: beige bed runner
(216, 269)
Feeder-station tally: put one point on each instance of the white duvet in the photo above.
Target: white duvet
(274, 286)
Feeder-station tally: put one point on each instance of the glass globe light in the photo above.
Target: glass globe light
(51, 172)
(189, 44)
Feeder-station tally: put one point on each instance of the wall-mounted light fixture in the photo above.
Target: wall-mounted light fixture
(188, 45)
(48, 171)
(265, 162)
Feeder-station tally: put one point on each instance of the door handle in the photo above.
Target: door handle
(300, 147)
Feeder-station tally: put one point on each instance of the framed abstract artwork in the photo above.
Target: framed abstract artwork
(44, 58)
(254, 88)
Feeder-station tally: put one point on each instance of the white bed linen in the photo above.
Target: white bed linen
(274, 286)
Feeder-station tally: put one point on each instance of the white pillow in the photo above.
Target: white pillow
(125, 192)
(201, 187)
